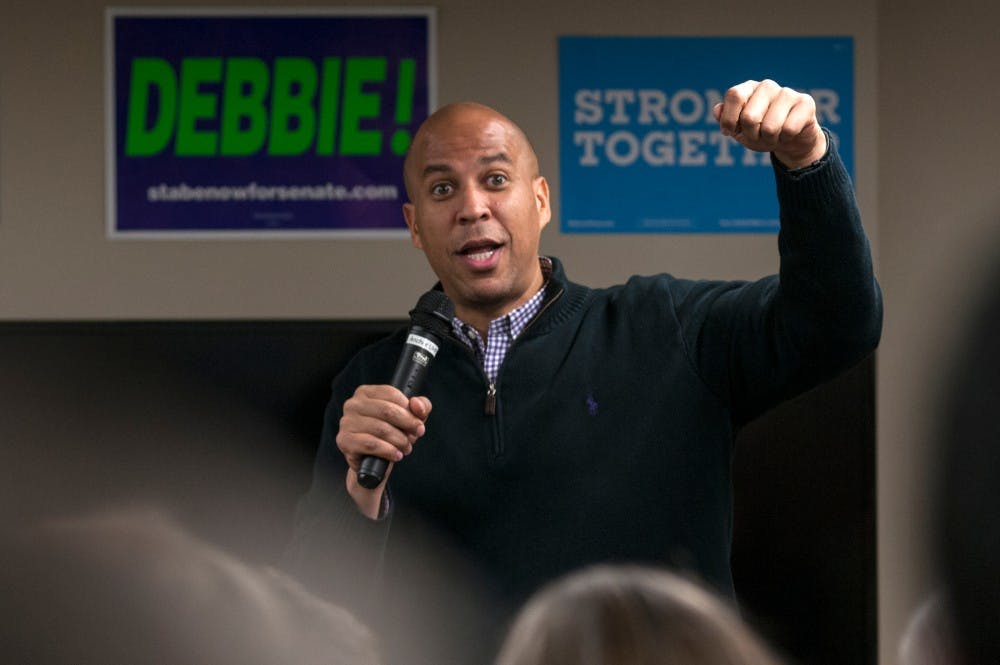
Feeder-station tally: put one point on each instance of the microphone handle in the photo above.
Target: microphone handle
(371, 473)
(419, 350)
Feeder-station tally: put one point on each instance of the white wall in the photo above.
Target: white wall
(939, 216)
(56, 263)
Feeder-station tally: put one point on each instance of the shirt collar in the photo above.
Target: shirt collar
(517, 318)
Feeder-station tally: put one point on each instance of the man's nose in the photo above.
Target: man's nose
(474, 205)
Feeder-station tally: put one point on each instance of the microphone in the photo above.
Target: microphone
(430, 321)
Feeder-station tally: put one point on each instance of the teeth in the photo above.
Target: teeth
(481, 256)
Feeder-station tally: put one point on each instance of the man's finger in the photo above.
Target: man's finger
(355, 444)
(756, 108)
(420, 407)
(384, 393)
(732, 106)
(773, 123)
(394, 414)
(801, 118)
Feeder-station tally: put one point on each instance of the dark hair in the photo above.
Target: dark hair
(968, 493)
(630, 615)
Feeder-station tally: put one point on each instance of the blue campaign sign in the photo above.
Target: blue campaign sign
(640, 151)
(263, 122)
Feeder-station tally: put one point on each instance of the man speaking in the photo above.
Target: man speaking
(563, 425)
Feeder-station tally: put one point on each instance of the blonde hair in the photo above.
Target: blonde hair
(630, 615)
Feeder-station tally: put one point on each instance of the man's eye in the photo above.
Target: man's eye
(441, 189)
(497, 180)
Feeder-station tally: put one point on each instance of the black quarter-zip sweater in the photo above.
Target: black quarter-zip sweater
(615, 410)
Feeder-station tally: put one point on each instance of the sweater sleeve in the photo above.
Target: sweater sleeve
(334, 547)
(758, 343)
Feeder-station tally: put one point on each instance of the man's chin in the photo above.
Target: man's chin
(483, 296)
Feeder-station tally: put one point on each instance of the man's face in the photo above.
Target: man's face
(477, 209)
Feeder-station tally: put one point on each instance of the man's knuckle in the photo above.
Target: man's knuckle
(751, 117)
(384, 411)
(384, 430)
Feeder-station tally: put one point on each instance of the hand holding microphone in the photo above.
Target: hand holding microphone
(430, 321)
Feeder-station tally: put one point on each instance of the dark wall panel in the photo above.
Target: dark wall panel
(218, 422)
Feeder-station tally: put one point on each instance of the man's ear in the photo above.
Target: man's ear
(542, 201)
(410, 215)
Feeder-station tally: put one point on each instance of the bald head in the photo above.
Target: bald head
(462, 121)
(477, 209)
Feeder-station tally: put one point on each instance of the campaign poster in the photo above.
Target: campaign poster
(640, 150)
(263, 122)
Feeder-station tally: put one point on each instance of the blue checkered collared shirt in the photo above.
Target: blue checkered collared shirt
(502, 331)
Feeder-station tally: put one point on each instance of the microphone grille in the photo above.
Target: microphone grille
(434, 311)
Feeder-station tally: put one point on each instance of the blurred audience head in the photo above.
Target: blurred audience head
(929, 638)
(131, 586)
(630, 615)
(968, 492)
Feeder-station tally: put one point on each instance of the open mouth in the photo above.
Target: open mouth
(480, 251)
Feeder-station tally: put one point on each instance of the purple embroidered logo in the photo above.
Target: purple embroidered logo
(591, 405)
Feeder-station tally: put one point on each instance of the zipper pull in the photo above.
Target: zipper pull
(491, 400)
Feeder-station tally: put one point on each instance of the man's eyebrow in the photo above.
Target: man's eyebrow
(435, 168)
(485, 160)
